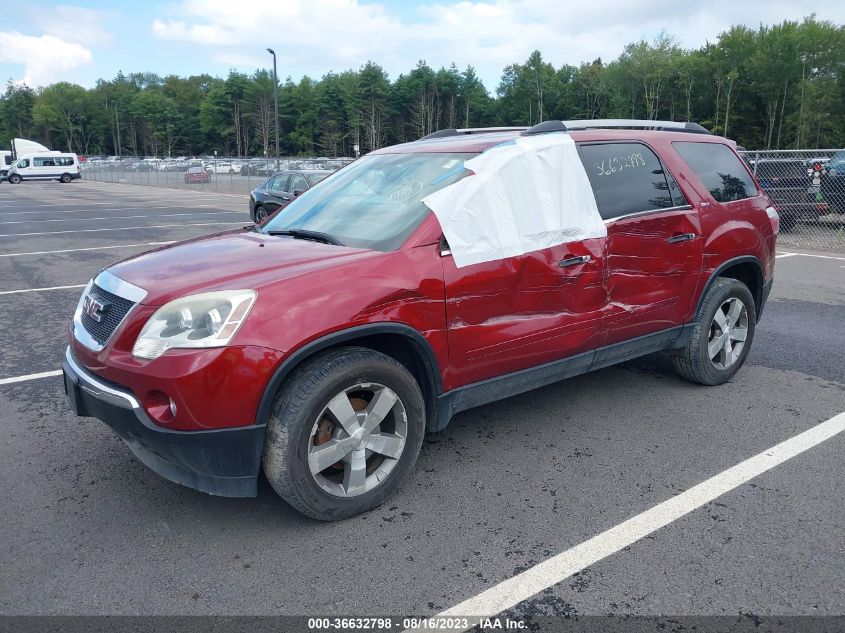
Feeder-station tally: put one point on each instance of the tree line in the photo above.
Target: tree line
(773, 87)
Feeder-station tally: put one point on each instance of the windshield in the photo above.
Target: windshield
(376, 202)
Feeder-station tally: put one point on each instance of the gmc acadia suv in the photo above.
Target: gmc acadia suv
(324, 343)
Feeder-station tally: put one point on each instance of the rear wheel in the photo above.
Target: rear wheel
(65, 178)
(722, 335)
(346, 429)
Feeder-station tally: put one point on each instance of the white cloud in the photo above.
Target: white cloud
(316, 36)
(44, 58)
(74, 24)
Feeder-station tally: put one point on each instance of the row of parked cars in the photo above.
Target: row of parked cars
(802, 189)
(211, 164)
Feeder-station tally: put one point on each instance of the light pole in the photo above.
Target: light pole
(275, 104)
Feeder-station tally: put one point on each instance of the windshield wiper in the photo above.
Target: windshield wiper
(305, 234)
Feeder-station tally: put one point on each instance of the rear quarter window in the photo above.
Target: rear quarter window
(719, 169)
(628, 178)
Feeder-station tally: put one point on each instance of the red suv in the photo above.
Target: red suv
(326, 342)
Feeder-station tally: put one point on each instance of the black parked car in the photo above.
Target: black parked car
(833, 183)
(785, 181)
(280, 189)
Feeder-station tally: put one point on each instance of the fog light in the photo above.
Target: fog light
(160, 406)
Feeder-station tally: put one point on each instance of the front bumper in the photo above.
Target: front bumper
(221, 462)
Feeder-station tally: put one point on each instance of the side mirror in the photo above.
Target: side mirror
(296, 192)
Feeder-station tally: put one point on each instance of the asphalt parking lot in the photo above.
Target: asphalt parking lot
(89, 530)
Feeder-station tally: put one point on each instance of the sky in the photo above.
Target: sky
(44, 42)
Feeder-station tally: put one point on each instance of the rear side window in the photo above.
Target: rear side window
(279, 183)
(298, 183)
(719, 169)
(626, 178)
(780, 169)
(43, 162)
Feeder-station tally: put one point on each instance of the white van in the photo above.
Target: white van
(45, 166)
(6, 161)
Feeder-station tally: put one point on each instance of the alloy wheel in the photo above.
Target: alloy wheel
(357, 440)
(728, 332)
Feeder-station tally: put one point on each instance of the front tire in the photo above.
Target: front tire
(722, 336)
(345, 431)
(14, 179)
(260, 214)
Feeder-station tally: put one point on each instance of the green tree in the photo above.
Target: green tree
(159, 121)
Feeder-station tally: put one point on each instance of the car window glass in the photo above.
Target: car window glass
(278, 183)
(298, 183)
(23, 163)
(626, 178)
(375, 202)
(724, 175)
(678, 197)
(776, 169)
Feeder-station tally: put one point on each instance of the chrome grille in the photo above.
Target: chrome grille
(115, 309)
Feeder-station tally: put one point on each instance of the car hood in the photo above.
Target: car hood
(234, 260)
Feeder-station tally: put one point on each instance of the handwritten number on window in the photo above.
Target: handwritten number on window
(619, 163)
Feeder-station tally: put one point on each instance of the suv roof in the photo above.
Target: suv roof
(479, 140)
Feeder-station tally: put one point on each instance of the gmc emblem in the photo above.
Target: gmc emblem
(94, 308)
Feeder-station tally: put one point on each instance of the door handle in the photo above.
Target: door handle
(574, 261)
(681, 237)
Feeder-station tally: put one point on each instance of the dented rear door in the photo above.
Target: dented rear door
(520, 312)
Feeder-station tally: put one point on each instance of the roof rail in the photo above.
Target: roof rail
(587, 124)
(470, 130)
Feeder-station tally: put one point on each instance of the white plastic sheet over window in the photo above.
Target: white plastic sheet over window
(525, 195)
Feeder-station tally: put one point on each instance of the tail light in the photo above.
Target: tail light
(774, 218)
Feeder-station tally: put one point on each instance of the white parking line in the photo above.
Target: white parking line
(120, 228)
(120, 217)
(785, 255)
(125, 208)
(550, 572)
(819, 256)
(22, 290)
(43, 374)
(90, 248)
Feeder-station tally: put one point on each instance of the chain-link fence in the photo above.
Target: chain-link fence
(225, 175)
(807, 187)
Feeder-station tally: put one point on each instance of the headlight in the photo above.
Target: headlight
(209, 319)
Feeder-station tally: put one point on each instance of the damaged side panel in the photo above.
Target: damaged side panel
(514, 313)
(653, 269)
